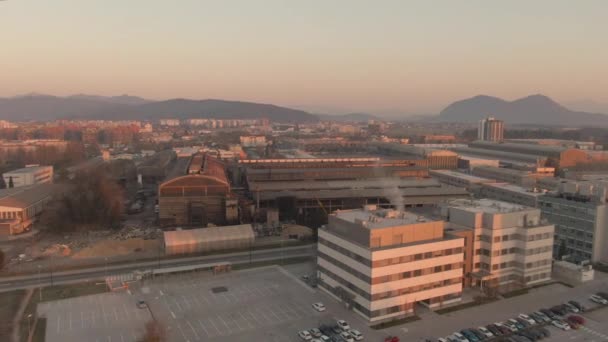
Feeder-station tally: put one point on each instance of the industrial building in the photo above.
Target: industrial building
(434, 157)
(454, 178)
(491, 129)
(383, 262)
(513, 246)
(203, 240)
(20, 207)
(29, 175)
(525, 178)
(534, 154)
(198, 197)
(580, 214)
(512, 193)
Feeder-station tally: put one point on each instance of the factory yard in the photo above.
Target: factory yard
(261, 304)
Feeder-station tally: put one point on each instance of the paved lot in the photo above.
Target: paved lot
(268, 304)
(108, 317)
(264, 304)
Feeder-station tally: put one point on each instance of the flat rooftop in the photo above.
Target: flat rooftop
(381, 218)
(486, 205)
(28, 169)
(515, 188)
(469, 178)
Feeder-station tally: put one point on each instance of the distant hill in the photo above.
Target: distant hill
(535, 109)
(352, 117)
(46, 108)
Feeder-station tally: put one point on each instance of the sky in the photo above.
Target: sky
(384, 57)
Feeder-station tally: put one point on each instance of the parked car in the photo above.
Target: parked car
(485, 331)
(576, 319)
(578, 305)
(603, 295)
(343, 325)
(460, 337)
(549, 314)
(346, 337)
(305, 335)
(469, 335)
(356, 334)
(538, 319)
(523, 322)
(598, 299)
(392, 339)
(506, 329)
(494, 330)
(324, 338)
(319, 306)
(315, 332)
(141, 304)
(527, 318)
(515, 323)
(571, 307)
(560, 324)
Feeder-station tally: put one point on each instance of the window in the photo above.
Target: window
(418, 257)
(437, 269)
(505, 238)
(497, 239)
(494, 267)
(417, 273)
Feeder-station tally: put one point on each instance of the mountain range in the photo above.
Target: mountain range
(535, 109)
(46, 108)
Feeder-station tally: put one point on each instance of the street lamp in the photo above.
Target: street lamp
(29, 325)
(40, 284)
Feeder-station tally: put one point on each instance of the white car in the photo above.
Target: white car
(305, 335)
(527, 319)
(356, 334)
(598, 299)
(485, 331)
(561, 324)
(508, 326)
(441, 339)
(315, 332)
(346, 337)
(571, 307)
(324, 338)
(319, 306)
(316, 340)
(343, 325)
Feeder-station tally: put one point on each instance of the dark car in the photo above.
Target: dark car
(549, 313)
(469, 335)
(523, 322)
(504, 330)
(326, 329)
(481, 336)
(559, 310)
(577, 305)
(538, 319)
(545, 331)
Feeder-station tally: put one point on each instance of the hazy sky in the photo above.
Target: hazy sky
(382, 56)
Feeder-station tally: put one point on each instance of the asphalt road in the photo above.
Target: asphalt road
(99, 273)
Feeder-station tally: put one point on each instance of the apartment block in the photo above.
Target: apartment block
(382, 262)
(512, 245)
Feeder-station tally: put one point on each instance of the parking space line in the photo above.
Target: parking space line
(179, 327)
(246, 320)
(193, 330)
(215, 326)
(224, 322)
(179, 307)
(233, 319)
(70, 319)
(58, 323)
(204, 328)
(264, 315)
(186, 303)
(205, 299)
(254, 317)
(115, 314)
(236, 299)
(223, 295)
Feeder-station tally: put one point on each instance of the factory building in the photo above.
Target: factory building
(200, 197)
(383, 262)
(203, 240)
(513, 246)
(523, 178)
(20, 207)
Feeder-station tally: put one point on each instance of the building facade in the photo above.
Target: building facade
(29, 176)
(512, 246)
(491, 129)
(580, 214)
(383, 262)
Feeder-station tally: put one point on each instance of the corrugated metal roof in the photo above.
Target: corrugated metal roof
(25, 196)
(372, 183)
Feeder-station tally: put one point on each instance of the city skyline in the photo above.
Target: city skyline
(397, 58)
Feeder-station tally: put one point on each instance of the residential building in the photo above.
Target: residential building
(253, 140)
(383, 262)
(491, 129)
(29, 176)
(513, 246)
(580, 214)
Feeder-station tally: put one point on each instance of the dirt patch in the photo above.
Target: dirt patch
(112, 248)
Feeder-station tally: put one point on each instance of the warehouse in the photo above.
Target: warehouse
(21, 207)
(196, 199)
(204, 240)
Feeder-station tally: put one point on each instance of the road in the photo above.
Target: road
(99, 273)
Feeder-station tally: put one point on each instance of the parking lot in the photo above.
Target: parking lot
(105, 317)
(433, 325)
(261, 304)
